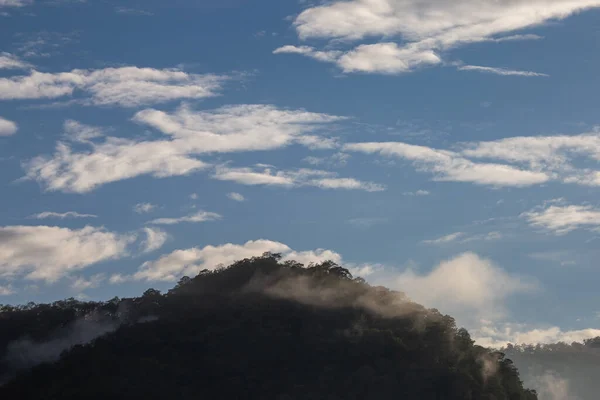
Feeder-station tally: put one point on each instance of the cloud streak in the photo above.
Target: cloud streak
(425, 29)
(186, 134)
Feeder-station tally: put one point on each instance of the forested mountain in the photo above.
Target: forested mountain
(560, 371)
(258, 329)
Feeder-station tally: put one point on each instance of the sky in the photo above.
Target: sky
(446, 149)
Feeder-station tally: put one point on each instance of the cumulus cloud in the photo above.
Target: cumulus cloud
(561, 220)
(464, 286)
(200, 216)
(173, 266)
(448, 165)
(143, 208)
(424, 29)
(155, 239)
(48, 252)
(236, 196)
(490, 334)
(7, 128)
(500, 71)
(6, 290)
(65, 215)
(81, 283)
(10, 61)
(125, 86)
(187, 134)
(293, 178)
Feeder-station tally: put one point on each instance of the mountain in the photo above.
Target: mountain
(258, 329)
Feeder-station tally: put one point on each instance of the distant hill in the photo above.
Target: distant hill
(258, 329)
(561, 371)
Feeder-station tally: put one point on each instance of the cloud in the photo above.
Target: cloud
(48, 252)
(417, 193)
(236, 197)
(68, 214)
(446, 239)
(6, 290)
(335, 160)
(190, 262)
(143, 208)
(327, 56)
(461, 237)
(494, 335)
(464, 286)
(561, 220)
(14, 3)
(132, 11)
(7, 128)
(200, 216)
(125, 86)
(451, 166)
(425, 29)
(500, 71)
(155, 239)
(81, 284)
(293, 178)
(77, 132)
(187, 134)
(173, 266)
(10, 61)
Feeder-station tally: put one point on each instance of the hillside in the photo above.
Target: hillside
(258, 329)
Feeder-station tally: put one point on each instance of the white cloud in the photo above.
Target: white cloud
(553, 155)
(190, 262)
(187, 134)
(451, 166)
(6, 290)
(417, 193)
(10, 61)
(237, 128)
(77, 132)
(143, 208)
(68, 214)
(49, 252)
(335, 160)
(465, 286)
(425, 28)
(328, 56)
(7, 128)
(155, 239)
(125, 86)
(200, 216)
(386, 58)
(14, 3)
(564, 219)
(461, 237)
(295, 178)
(489, 334)
(81, 283)
(500, 71)
(132, 11)
(236, 196)
(446, 239)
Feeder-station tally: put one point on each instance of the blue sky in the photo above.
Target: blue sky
(450, 151)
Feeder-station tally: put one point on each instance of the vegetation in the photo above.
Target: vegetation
(259, 329)
(560, 370)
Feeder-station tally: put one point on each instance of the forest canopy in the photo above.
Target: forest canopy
(257, 329)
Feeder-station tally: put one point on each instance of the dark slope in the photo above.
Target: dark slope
(259, 329)
(567, 371)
